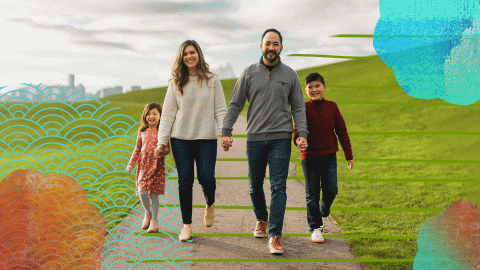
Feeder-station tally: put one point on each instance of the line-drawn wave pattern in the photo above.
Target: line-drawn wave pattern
(90, 141)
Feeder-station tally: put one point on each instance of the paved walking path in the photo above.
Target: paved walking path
(237, 221)
(242, 221)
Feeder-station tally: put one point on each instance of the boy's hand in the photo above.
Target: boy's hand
(301, 144)
(129, 168)
(350, 164)
(227, 142)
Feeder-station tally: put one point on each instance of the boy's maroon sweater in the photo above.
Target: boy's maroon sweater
(324, 124)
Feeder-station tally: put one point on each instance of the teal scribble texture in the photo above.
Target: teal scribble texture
(90, 141)
(432, 47)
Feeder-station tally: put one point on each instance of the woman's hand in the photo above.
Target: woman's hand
(227, 142)
(166, 150)
(160, 151)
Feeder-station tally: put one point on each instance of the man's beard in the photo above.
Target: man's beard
(271, 60)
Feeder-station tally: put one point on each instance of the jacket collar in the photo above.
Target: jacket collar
(310, 101)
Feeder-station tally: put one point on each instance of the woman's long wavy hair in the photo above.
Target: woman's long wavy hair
(180, 70)
(148, 107)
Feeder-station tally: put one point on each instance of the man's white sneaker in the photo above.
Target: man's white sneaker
(317, 236)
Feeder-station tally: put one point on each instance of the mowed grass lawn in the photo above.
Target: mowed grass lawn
(420, 140)
(409, 155)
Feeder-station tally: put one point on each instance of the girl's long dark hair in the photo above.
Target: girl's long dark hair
(148, 107)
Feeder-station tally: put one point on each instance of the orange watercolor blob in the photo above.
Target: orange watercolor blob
(46, 222)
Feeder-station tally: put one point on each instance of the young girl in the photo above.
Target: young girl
(150, 180)
(194, 109)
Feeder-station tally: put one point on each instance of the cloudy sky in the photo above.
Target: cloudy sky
(127, 42)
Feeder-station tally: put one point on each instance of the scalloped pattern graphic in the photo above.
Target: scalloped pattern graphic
(91, 142)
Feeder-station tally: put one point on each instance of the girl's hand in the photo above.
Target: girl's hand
(129, 168)
(166, 150)
(160, 150)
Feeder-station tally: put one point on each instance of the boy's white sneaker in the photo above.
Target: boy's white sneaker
(317, 236)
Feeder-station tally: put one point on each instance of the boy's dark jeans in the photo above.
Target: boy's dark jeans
(320, 171)
(204, 152)
(277, 154)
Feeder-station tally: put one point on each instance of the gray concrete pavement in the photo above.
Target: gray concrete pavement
(237, 221)
(242, 221)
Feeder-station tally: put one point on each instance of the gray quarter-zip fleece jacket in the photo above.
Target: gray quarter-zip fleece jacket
(273, 98)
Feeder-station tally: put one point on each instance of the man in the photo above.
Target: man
(273, 92)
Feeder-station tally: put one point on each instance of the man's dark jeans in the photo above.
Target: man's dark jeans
(320, 171)
(277, 154)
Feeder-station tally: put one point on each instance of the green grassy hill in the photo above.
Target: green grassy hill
(410, 156)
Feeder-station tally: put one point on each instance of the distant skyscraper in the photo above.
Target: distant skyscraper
(71, 80)
(135, 87)
(44, 92)
(105, 92)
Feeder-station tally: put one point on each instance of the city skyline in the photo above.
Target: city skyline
(70, 92)
(135, 42)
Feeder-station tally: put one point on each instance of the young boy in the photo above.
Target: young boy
(319, 159)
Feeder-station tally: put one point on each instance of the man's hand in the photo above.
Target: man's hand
(350, 164)
(227, 142)
(301, 144)
(129, 168)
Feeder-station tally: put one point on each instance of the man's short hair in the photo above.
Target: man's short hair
(275, 31)
(314, 77)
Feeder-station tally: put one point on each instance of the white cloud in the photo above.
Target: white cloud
(223, 69)
(34, 77)
(113, 22)
(342, 47)
(306, 62)
(106, 44)
(227, 47)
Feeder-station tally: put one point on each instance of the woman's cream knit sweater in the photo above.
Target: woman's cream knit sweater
(197, 114)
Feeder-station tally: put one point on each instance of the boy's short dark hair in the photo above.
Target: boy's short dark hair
(275, 31)
(314, 77)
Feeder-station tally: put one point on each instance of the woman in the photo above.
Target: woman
(193, 113)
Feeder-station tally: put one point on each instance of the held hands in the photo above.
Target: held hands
(301, 144)
(162, 150)
(166, 150)
(227, 142)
